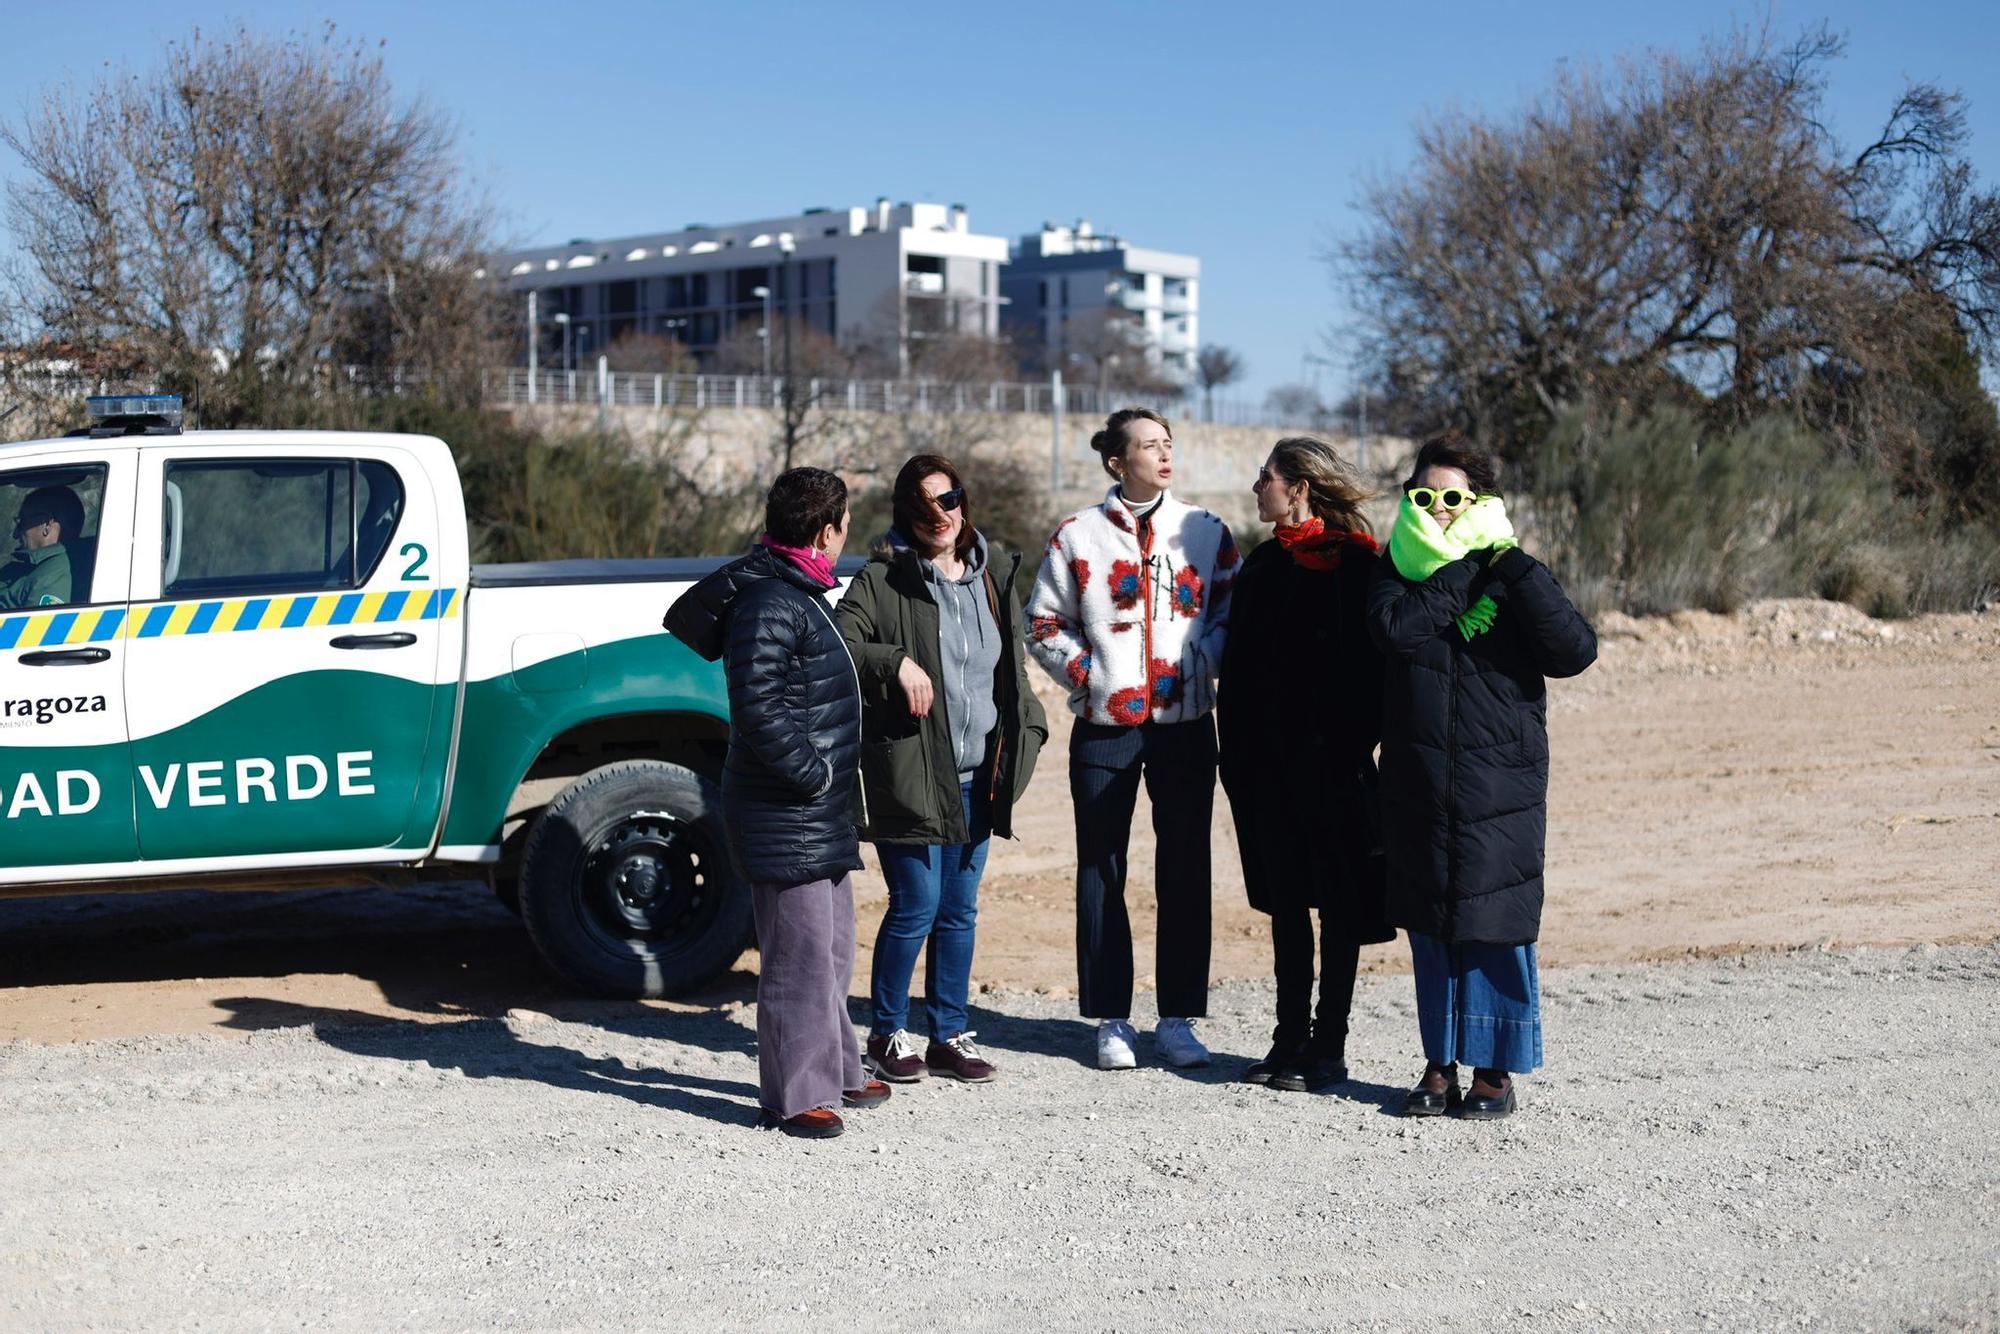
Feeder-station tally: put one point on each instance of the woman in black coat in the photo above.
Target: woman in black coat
(1299, 712)
(790, 793)
(1471, 626)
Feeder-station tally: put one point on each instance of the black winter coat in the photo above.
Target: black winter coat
(789, 787)
(1299, 712)
(889, 614)
(1465, 743)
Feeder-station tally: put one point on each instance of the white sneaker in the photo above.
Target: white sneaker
(1115, 1042)
(1177, 1043)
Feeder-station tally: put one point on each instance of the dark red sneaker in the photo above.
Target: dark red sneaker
(958, 1057)
(895, 1057)
(872, 1094)
(819, 1123)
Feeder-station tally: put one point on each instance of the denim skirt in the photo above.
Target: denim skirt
(1479, 1004)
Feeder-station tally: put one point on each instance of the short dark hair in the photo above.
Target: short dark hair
(1452, 450)
(1110, 442)
(910, 507)
(801, 503)
(58, 503)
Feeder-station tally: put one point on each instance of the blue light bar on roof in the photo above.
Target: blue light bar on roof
(104, 409)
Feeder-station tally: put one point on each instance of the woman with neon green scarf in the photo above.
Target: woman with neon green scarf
(1471, 627)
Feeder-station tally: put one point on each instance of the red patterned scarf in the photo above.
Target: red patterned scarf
(1315, 546)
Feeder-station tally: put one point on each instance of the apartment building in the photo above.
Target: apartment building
(1065, 283)
(879, 275)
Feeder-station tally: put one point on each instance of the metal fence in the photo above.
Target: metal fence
(515, 387)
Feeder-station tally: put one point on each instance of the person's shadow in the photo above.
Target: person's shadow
(490, 1049)
(1075, 1041)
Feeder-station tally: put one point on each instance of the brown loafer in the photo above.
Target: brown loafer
(894, 1057)
(819, 1123)
(872, 1094)
(958, 1057)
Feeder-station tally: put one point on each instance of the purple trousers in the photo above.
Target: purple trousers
(806, 1052)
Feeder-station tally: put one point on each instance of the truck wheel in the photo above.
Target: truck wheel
(626, 886)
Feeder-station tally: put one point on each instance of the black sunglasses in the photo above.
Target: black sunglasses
(950, 500)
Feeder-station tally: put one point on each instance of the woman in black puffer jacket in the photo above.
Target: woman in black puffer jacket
(790, 793)
(1471, 627)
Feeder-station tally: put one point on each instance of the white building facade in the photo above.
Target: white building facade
(863, 276)
(1065, 282)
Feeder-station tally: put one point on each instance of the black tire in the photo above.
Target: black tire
(626, 886)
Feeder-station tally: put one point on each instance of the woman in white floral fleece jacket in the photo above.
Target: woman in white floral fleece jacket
(1129, 611)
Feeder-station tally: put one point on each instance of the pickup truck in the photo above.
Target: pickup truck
(276, 665)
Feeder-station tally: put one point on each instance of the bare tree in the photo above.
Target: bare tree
(1298, 405)
(649, 354)
(253, 220)
(1109, 347)
(1214, 367)
(1681, 230)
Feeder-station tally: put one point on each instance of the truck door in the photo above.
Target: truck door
(65, 768)
(282, 677)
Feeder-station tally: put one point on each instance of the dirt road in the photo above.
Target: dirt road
(1686, 1162)
(1790, 775)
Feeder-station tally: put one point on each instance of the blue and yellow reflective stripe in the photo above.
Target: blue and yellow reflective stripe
(42, 629)
(304, 610)
(227, 616)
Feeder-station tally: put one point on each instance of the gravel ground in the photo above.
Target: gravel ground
(1796, 1163)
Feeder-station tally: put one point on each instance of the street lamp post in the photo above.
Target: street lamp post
(791, 395)
(562, 317)
(534, 337)
(764, 294)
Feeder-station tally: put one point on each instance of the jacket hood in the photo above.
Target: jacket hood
(893, 543)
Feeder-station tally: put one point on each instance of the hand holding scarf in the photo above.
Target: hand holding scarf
(1420, 548)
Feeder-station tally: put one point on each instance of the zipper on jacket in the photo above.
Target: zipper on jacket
(1145, 536)
(860, 782)
(1451, 796)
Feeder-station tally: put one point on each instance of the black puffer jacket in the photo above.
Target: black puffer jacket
(1465, 744)
(790, 794)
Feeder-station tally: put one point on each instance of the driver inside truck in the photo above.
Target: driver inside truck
(38, 573)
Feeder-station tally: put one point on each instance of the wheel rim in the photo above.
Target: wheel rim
(645, 883)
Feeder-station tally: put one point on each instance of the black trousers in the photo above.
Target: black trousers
(1292, 954)
(1177, 761)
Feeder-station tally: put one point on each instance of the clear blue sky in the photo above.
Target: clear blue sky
(1240, 133)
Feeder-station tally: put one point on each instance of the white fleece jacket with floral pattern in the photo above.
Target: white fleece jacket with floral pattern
(1131, 614)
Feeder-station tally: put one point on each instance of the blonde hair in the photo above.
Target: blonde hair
(1334, 491)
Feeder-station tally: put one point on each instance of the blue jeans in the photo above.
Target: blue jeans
(933, 896)
(1481, 1004)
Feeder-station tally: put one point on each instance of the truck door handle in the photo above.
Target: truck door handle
(400, 639)
(66, 657)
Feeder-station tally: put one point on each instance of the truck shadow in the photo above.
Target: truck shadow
(493, 1049)
(433, 949)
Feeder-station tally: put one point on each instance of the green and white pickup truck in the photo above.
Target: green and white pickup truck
(277, 665)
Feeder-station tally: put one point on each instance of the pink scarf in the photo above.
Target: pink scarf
(811, 560)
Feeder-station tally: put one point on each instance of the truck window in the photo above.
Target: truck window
(50, 518)
(276, 525)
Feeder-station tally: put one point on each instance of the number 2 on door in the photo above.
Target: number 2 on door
(417, 563)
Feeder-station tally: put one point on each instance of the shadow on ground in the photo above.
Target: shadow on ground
(492, 1049)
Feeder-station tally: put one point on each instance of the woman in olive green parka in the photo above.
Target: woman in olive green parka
(949, 735)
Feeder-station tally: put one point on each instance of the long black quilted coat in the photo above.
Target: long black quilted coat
(1465, 744)
(790, 785)
(1299, 712)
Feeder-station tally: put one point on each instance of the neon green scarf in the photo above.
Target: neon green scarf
(1420, 549)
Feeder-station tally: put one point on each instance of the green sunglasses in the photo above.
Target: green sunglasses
(1423, 497)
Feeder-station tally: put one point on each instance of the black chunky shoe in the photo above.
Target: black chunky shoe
(1309, 1072)
(1435, 1094)
(1482, 1106)
(1280, 1056)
